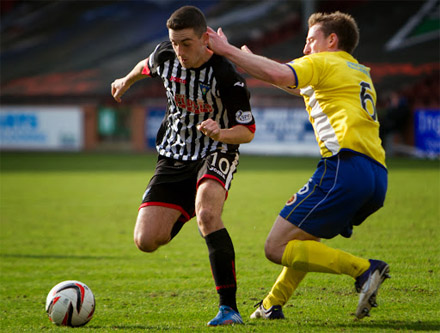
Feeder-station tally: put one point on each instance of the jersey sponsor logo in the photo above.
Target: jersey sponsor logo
(204, 88)
(240, 84)
(192, 106)
(243, 117)
(359, 67)
(177, 79)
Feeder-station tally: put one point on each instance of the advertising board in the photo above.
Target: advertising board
(41, 128)
(427, 132)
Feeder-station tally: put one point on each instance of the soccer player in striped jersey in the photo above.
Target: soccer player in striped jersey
(350, 181)
(208, 116)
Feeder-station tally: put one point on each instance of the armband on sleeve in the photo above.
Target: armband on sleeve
(146, 69)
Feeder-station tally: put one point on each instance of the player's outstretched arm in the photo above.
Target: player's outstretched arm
(120, 86)
(259, 67)
(291, 91)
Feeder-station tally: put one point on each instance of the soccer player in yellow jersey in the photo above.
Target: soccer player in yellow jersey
(350, 181)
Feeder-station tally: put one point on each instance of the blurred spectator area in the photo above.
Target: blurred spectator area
(69, 52)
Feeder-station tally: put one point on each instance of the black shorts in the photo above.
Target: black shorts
(174, 183)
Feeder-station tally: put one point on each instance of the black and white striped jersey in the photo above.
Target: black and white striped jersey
(215, 90)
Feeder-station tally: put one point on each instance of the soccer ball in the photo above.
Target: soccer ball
(70, 303)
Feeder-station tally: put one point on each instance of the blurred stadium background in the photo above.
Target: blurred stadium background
(58, 59)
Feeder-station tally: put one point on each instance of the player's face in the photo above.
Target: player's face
(316, 41)
(191, 50)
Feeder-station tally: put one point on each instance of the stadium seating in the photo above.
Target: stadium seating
(86, 44)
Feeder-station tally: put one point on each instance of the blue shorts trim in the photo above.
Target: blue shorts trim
(344, 190)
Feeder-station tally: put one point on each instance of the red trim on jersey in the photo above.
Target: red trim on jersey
(185, 216)
(251, 128)
(213, 178)
(146, 69)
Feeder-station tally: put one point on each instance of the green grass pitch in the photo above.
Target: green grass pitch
(71, 216)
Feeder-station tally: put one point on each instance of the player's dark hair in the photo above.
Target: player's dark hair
(188, 17)
(343, 25)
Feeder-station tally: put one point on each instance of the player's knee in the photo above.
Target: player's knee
(268, 251)
(272, 252)
(205, 218)
(145, 243)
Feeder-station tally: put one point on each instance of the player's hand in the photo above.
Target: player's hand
(218, 42)
(210, 128)
(119, 87)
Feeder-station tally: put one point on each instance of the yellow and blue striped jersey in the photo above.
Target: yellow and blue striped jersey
(341, 101)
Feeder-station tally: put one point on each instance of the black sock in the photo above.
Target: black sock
(222, 258)
(176, 228)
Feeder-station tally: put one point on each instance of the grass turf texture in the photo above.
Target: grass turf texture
(71, 216)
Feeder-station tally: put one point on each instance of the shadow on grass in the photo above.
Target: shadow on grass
(75, 162)
(82, 162)
(410, 325)
(134, 327)
(56, 256)
(373, 326)
(356, 325)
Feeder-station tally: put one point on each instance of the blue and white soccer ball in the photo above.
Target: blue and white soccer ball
(70, 303)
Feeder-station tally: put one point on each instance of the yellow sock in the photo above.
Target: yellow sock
(283, 288)
(313, 256)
